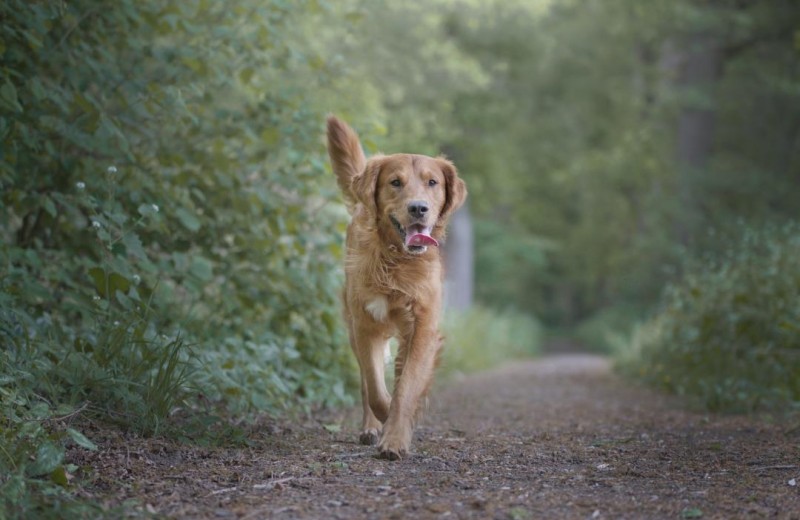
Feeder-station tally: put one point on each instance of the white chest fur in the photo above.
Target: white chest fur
(378, 307)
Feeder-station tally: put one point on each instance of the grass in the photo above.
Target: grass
(118, 372)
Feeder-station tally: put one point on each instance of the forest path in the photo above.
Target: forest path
(557, 437)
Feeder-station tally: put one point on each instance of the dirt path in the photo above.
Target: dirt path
(560, 437)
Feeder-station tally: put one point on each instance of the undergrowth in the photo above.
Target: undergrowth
(481, 338)
(728, 335)
(607, 330)
(169, 245)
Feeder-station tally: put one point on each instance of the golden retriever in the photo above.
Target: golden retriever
(399, 206)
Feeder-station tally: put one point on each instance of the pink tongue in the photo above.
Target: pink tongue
(421, 239)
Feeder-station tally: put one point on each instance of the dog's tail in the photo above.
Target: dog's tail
(347, 157)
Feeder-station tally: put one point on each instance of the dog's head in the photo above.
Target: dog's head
(411, 197)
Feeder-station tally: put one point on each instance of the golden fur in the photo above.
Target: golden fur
(393, 284)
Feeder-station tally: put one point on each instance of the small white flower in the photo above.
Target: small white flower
(96, 224)
(80, 185)
(137, 279)
(116, 324)
(155, 208)
(96, 298)
(112, 169)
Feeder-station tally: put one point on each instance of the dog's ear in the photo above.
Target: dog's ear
(455, 188)
(364, 186)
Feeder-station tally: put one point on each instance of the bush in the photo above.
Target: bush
(728, 335)
(155, 189)
(608, 330)
(481, 338)
(168, 225)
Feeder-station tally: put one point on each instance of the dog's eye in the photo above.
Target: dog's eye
(432, 182)
(396, 183)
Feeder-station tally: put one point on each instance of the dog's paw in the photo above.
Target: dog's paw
(391, 454)
(394, 446)
(369, 437)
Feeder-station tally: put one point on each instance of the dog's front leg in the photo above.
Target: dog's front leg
(370, 425)
(369, 342)
(360, 342)
(418, 352)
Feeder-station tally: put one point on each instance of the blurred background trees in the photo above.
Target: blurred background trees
(616, 138)
(170, 227)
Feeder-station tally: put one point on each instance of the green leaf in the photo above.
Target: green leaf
(117, 282)
(48, 457)
(98, 275)
(147, 209)
(106, 284)
(188, 219)
(81, 440)
(270, 136)
(134, 245)
(692, 512)
(35, 86)
(333, 428)
(8, 97)
(40, 411)
(246, 74)
(49, 206)
(59, 476)
(202, 268)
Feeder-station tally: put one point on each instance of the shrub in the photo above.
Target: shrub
(155, 182)
(481, 338)
(728, 334)
(608, 330)
(168, 225)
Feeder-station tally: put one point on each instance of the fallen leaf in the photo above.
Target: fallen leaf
(692, 512)
(333, 428)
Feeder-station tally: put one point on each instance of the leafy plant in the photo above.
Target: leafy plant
(608, 330)
(167, 220)
(728, 334)
(481, 338)
(34, 475)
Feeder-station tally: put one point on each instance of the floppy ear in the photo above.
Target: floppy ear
(364, 186)
(455, 189)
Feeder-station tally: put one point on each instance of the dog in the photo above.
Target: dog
(399, 206)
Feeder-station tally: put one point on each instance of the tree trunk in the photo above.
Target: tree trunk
(698, 64)
(459, 261)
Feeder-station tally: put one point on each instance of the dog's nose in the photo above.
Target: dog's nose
(418, 208)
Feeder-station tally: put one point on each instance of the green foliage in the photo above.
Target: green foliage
(561, 152)
(155, 176)
(169, 227)
(728, 335)
(481, 338)
(35, 480)
(573, 142)
(167, 221)
(608, 330)
(510, 258)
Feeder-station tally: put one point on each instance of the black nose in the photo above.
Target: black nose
(418, 208)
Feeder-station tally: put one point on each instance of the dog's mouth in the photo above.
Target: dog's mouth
(416, 237)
